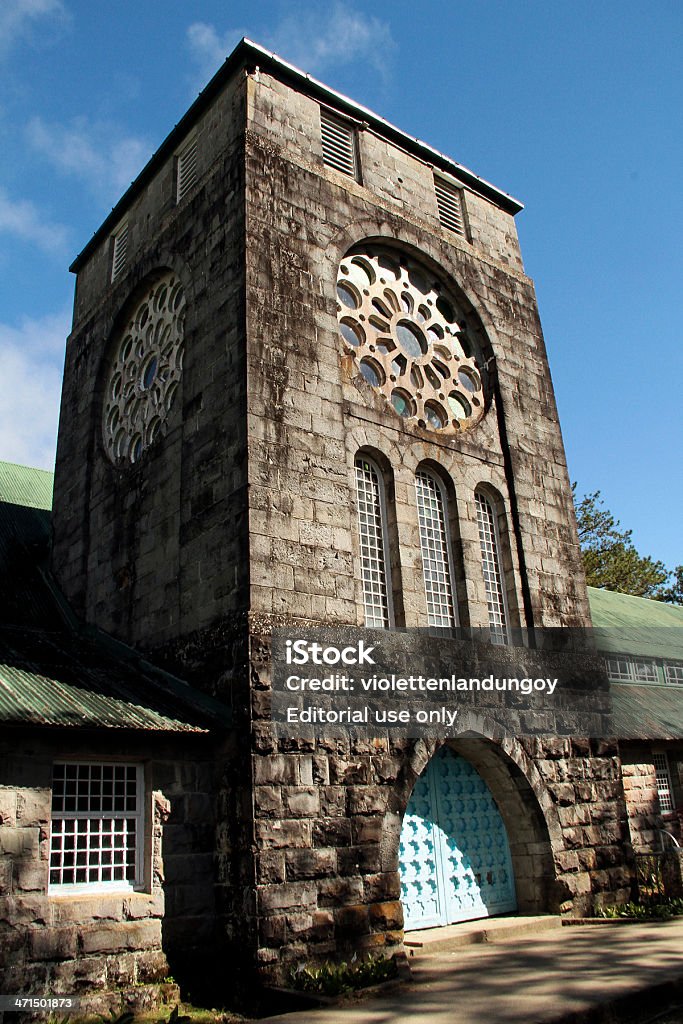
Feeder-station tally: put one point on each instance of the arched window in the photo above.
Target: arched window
(372, 529)
(492, 568)
(436, 559)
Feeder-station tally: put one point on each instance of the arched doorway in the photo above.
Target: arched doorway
(454, 855)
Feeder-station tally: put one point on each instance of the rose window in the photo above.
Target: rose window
(409, 340)
(145, 373)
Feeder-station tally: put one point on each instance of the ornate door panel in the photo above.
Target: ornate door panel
(454, 853)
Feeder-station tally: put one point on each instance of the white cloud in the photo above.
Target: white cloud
(18, 19)
(209, 49)
(328, 37)
(31, 361)
(314, 41)
(98, 154)
(22, 218)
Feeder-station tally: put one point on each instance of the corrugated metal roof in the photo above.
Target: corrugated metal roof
(23, 485)
(647, 712)
(86, 680)
(53, 670)
(635, 625)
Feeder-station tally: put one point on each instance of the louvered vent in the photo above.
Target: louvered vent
(339, 144)
(120, 251)
(449, 201)
(187, 169)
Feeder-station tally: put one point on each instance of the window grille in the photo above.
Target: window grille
(187, 169)
(493, 576)
(120, 251)
(339, 144)
(661, 764)
(432, 519)
(449, 202)
(673, 673)
(627, 670)
(644, 671)
(619, 669)
(371, 526)
(96, 837)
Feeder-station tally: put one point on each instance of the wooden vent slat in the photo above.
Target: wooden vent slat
(339, 145)
(187, 169)
(449, 202)
(120, 252)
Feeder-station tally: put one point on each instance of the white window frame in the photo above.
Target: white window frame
(499, 634)
(119, 250)
(448, 193)
(624, 668)
(345, 163)
(139, 815)
(448, 561)
(673, 673)
(384, 528)
(187, 152)
(665, 794)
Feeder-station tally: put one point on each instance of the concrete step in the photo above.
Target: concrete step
(469, 933)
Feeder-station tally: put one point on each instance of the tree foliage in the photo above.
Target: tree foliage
(611, 560)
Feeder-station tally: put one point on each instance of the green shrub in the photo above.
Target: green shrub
(662, 910)
(332, 979)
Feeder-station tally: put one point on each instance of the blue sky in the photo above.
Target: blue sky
(574, 108)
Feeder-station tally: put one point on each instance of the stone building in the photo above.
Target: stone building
(306, 385)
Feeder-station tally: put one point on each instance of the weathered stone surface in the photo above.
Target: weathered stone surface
(242, 517)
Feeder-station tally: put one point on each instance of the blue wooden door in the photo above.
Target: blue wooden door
(454, 854)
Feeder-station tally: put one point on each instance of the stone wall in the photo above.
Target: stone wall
(243, 517)
(310, 411)
(155, 550)
(328, 822)
(645, 816)
(75, 943)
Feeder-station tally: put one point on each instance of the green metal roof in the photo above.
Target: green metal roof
(647, 712)
(55, 671)
(85, 679)
(635, 625)
(22, 485)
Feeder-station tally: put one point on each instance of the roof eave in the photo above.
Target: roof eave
(250, 54)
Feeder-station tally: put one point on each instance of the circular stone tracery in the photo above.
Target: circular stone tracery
(145, 373)
(409, 340)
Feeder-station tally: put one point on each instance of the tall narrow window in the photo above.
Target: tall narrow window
(372, 529)
(339, 144)
(436, 562)
(186, 169)
(493, 575)
(449, 202)
(96, 837)
(120, 251)
(664, 793)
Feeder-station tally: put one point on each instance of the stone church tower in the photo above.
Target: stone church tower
(307, 383)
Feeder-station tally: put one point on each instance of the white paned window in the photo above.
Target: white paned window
(339, 144)
(493, 576)
(619, 669)
(120, 251)
(436, 562)
(664, 792)
(186, 169)
(644, 671)
(673, 673)
(622, 669)
(372, 530)
(449, 202)
(97, 827)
